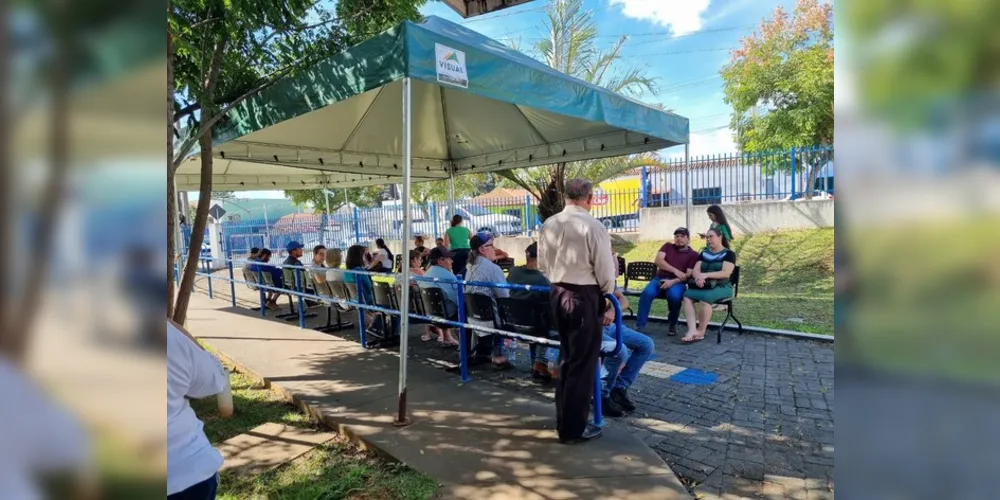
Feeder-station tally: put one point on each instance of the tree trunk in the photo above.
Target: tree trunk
(171, 188)
(208, 117)
(197, 229)
(19, 326)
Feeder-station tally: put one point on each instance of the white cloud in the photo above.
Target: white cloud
(681, 16)
(712, 142)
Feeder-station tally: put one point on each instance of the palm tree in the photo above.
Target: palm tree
(571, 47)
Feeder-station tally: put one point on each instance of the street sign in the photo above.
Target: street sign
(217, 212)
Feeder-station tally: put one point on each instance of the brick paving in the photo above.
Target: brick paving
(763, 429)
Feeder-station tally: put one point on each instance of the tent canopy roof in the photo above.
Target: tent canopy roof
(477, 106)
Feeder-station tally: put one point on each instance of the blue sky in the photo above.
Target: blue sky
(683, 43)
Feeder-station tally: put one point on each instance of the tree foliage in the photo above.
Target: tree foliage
(780, 81)
(780, 85)
(224, 51)
(570, 45)
(919, 57)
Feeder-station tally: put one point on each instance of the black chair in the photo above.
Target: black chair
(638, 271)
(328, 290)
(621, 265)
(728, 302)
(385, 298)
(505, 264)
(399, 264)
(433, 303)
(481, 308)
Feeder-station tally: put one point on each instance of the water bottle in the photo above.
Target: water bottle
(512, 351)
(552, 355)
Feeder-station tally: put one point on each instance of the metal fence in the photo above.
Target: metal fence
(725, 179)
(714, 179)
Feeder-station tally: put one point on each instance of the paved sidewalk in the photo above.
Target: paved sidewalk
(764, 428)
(479, 440)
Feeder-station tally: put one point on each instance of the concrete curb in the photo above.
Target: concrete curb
(732, 327)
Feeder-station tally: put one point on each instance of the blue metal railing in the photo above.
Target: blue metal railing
(461, 324)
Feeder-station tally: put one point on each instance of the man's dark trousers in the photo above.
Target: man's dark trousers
(576, 310)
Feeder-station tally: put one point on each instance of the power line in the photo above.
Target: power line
(667, 34)
(679, 52)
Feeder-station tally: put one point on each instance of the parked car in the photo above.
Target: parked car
(476, 219)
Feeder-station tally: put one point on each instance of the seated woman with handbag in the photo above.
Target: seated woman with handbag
(709, 284)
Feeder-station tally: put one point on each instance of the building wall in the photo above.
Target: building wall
(659, 223)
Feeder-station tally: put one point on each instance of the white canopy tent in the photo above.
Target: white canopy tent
(421, 102)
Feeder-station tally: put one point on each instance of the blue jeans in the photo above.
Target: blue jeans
(637, 348)
(675, 297)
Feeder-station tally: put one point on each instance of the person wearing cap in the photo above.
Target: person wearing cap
(293, 263)
(262, 265)
(573, 250)
(528, 274)
(483, 268)
(674, 264)
(440, 259)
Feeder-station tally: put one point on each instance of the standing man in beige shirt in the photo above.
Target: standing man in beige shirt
(573, 252)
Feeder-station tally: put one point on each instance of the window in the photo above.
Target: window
(706, 196)
(824, 184)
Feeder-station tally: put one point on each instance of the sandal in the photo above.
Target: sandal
(691, 340)
(426, 337)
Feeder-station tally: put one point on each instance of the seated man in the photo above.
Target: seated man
(528, 274)
(674, 264)
(637, 348)
(440, 259)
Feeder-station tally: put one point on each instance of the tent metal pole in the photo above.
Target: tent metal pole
(451, 193)
(326, 225)
(404, 283)
(687, 186)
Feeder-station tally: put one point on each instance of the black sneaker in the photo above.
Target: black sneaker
(610, 408)
(620, 396)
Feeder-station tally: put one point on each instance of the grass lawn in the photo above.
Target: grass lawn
(335, 470)
(786, 279)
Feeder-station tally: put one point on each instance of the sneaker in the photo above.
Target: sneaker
(672, 331)
(620, 395)
(610, 408)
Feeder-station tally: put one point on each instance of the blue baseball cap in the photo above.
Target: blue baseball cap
(481, 238)
(293, 245)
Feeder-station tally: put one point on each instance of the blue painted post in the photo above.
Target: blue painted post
(598, 416)
(792, 187)
(208, 270)
(463, 344)
(357, 227)
(232, 277)
(302, 303)
(527, 214)
(177, 271)
(263, 295)
(642, 186)
(434, 218)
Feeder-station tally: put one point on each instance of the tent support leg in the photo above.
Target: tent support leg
(404, 302)
(451, 192)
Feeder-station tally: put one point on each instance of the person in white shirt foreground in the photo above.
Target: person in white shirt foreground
(192, 462)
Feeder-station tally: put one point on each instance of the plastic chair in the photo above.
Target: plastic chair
(327, 290)
(385, 298)
(505, 264)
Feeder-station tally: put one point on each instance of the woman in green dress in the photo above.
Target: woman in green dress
(719, 221)
(709, 284)
(456, 238)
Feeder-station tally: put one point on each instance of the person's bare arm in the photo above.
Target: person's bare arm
(727, 270)
(447, 241)
(500, 253)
